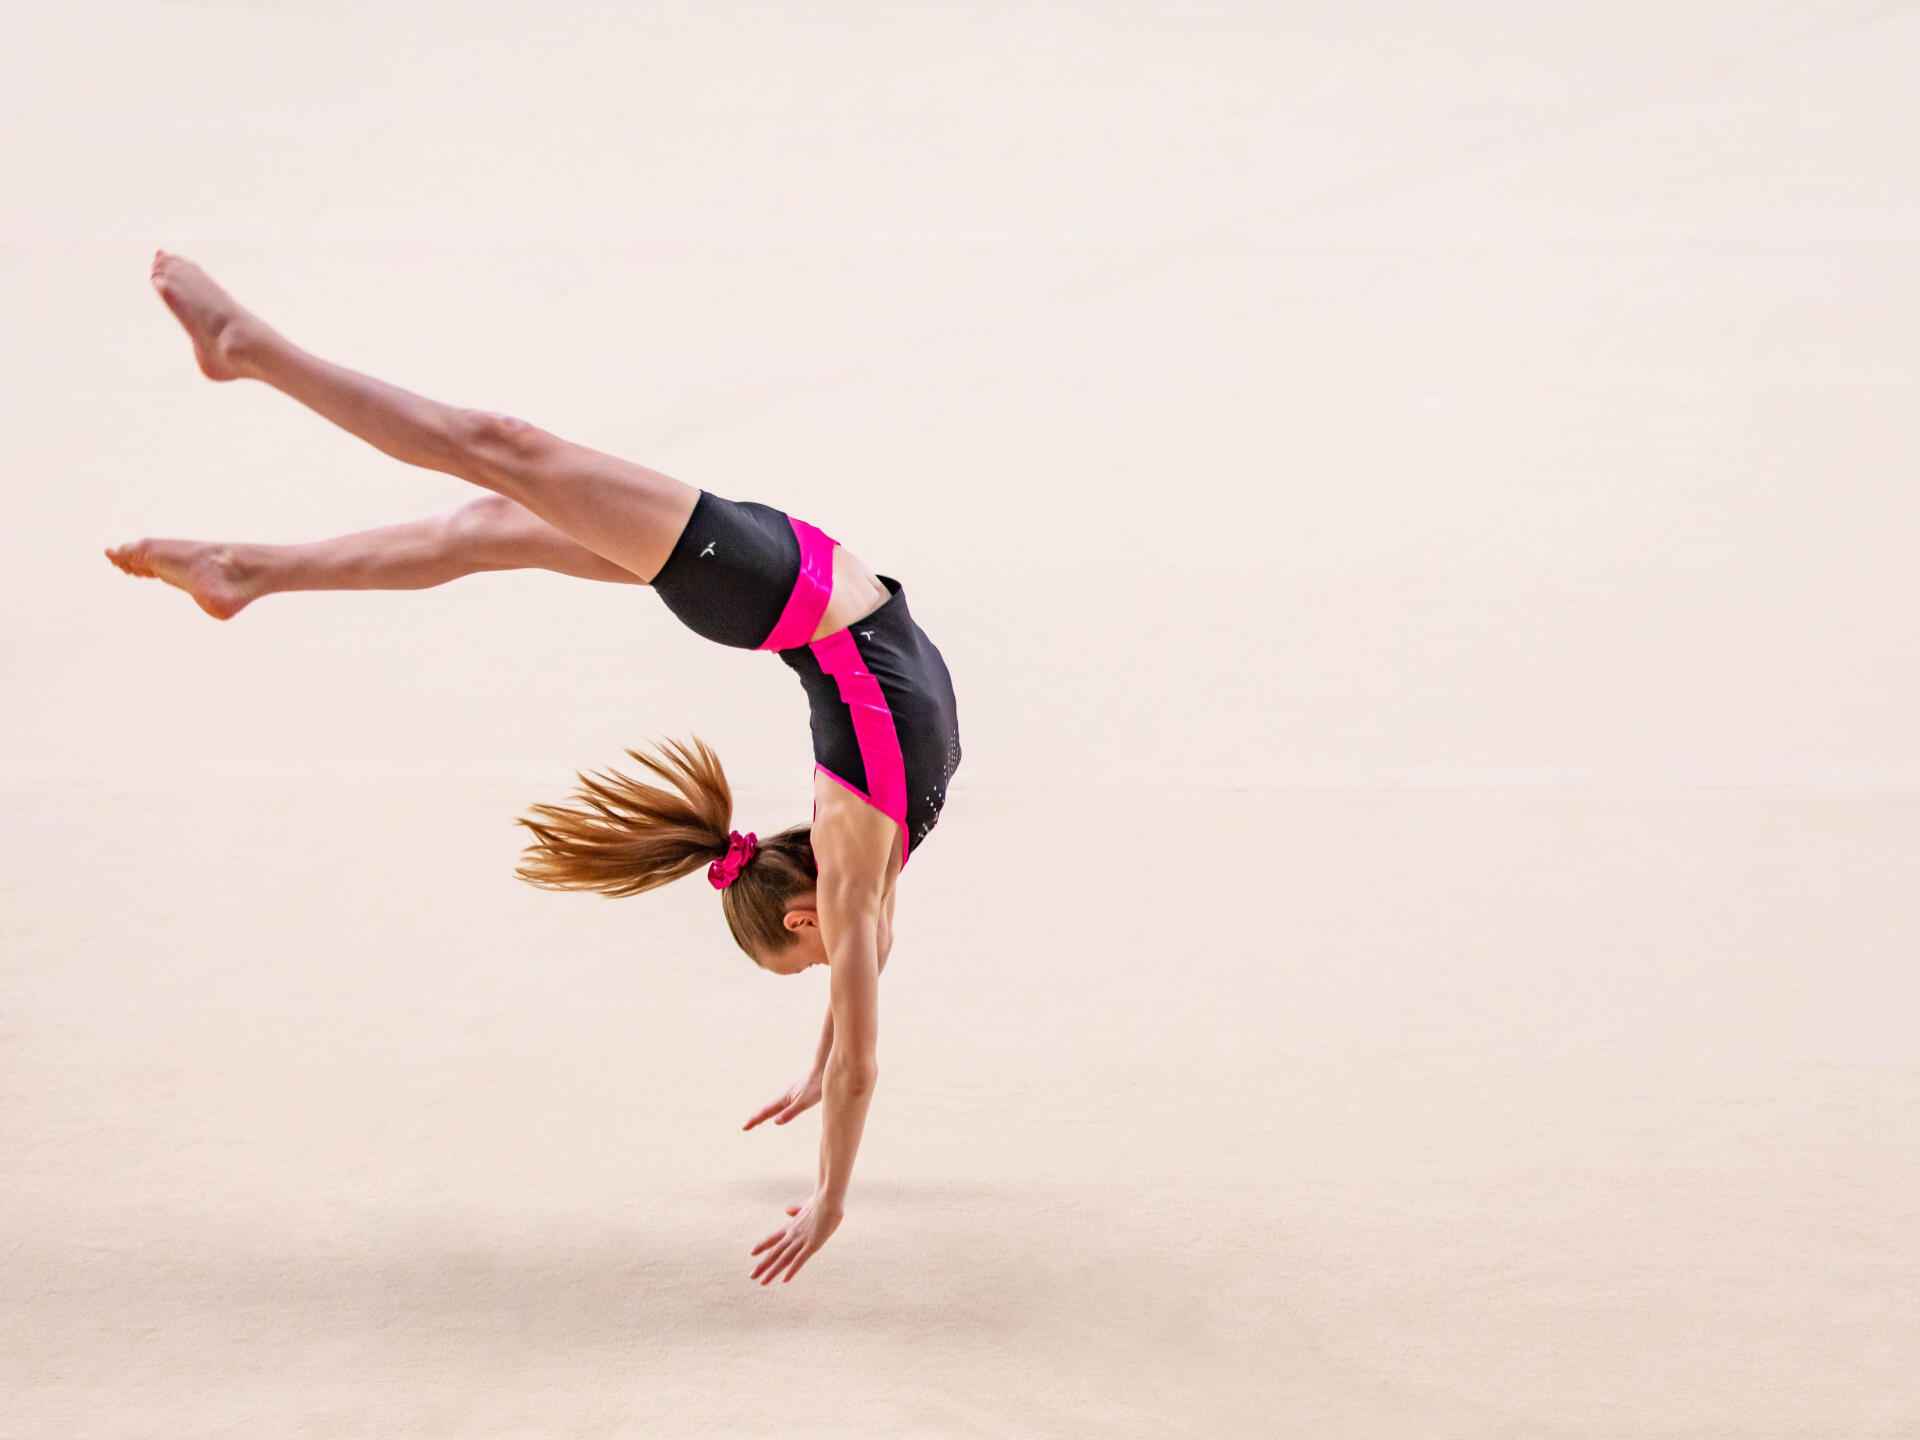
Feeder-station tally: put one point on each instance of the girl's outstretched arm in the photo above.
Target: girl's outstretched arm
(852, 843)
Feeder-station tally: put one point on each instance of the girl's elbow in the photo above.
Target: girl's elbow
(856, 1077)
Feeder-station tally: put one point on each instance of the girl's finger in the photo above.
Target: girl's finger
(808, 1249)
(777, 1235)
(774, 1254)
(773, 1264)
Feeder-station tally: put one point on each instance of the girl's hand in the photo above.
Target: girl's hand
(793, 1244)
(798, 1098)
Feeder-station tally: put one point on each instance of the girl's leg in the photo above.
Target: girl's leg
(488, 533)
(620, 511)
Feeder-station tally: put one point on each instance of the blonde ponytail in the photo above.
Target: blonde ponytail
(621, 836)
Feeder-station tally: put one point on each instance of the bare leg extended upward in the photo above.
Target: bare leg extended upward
(560, 505)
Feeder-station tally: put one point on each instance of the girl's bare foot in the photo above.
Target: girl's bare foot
(218, 577)
(222, 330)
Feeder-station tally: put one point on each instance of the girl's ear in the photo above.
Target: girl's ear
(801, 920)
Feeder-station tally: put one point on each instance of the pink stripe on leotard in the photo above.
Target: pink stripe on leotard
(872, 727)
(812, 589)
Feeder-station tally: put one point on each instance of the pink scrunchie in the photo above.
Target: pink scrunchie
(724, 871)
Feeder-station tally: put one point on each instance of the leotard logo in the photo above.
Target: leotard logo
(709, 550)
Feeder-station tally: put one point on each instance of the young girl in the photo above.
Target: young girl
(886, 734)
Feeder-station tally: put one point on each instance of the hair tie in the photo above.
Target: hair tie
(724, 871)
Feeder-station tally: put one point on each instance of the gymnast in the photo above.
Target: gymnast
(886, 736)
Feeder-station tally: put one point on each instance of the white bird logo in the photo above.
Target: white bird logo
(866, 634)
(708, 551)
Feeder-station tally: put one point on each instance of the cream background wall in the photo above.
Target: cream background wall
(1248, 395)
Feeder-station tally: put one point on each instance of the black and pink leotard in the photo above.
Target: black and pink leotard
(885, 724)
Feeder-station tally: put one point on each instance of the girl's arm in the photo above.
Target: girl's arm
(852, 845)
(850, 910)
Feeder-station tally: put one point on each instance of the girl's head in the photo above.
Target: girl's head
(620, 837)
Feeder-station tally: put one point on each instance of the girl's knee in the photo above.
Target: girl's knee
(489, 435)
(484, 516)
